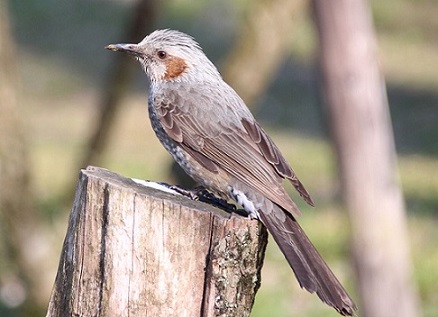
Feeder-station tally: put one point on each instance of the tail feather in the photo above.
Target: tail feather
(311, 271)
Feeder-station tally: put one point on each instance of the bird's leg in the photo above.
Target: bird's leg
(190, 193)
(208, 197)
(205, 196)
(202, 194)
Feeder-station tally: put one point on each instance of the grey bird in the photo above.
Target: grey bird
(212, 135)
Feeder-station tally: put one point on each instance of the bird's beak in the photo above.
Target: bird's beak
(132, 49)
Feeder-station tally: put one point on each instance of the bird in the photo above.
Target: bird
(210, 132)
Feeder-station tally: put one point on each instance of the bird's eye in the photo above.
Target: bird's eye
(161, 54)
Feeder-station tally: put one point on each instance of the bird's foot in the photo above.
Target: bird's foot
(202, 194)
(209, 198)
(190, 193)
(205, 196)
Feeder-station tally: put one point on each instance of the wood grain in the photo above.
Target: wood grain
(135, 251)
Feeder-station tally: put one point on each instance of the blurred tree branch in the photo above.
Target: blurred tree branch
(20, 224)
(361, 128)
(120, 74)
(261, 46)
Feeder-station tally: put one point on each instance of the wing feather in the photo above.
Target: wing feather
(273, 155)
(241, 147)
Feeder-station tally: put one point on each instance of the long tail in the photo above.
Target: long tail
(311, 271)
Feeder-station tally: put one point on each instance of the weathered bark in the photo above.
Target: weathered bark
(360, 122)
(135, 251)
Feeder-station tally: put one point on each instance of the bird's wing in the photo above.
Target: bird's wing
(217, 136)
(273, 155)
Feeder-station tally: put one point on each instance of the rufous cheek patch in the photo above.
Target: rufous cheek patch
(175, 66)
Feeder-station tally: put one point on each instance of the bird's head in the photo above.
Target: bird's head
(168, 55)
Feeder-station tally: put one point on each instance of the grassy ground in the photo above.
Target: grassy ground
(62, 72)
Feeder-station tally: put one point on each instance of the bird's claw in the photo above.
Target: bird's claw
(192, 194)
(203, 195)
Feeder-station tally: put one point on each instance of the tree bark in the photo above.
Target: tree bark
(135, 251)
(361, 127)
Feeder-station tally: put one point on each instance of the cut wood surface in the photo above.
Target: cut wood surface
(131, 250)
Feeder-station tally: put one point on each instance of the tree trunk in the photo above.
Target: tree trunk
(360, 122)
(135, 251)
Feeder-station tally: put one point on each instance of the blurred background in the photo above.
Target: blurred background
(66, 102)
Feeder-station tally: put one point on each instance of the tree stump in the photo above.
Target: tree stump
(131, 250)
